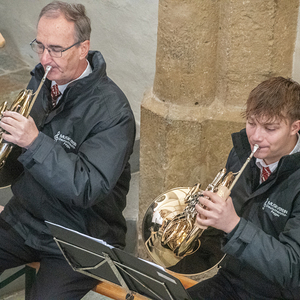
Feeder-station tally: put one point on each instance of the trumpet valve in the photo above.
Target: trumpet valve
(3, 108)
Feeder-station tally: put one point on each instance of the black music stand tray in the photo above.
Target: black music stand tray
(95, 258)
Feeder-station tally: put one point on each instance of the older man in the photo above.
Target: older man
(77, 143)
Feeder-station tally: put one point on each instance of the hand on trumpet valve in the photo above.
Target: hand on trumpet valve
(18, 129)
(215, 212)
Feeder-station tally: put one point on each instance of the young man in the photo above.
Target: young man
(261, 218)
(76, 151)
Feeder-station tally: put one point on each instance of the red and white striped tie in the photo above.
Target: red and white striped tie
(55, 93)
(266, 172)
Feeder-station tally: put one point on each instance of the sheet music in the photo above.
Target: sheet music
(103, 243)
(152, 263)
(94, 257)
(82, 234)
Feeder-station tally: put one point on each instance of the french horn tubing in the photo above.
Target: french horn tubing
(23, 105)
(171, 234)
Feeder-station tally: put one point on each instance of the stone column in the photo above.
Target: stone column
(210, 55)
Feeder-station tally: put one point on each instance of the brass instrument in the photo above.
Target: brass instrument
(170, 231)
(23, 105)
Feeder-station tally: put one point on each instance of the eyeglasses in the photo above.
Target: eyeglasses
(54, 51)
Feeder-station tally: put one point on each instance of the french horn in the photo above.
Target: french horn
(171, 235)
(23, 105)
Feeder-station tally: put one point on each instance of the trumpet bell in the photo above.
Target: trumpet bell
(206, 252)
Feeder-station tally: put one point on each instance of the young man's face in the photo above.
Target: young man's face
(275, 138)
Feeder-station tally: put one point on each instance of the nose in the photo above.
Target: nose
(257, 135)
(45, 57)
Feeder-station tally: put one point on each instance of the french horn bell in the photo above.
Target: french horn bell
(171, 235)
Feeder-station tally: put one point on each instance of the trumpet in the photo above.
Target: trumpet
(172, 233)
(23, 105)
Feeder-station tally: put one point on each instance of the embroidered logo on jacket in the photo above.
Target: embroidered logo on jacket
(67, 141)
(274, 208)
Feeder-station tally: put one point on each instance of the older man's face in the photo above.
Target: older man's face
(59, 33)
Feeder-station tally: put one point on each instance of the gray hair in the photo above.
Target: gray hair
(73, 13)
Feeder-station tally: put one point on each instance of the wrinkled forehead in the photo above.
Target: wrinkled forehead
(55, 31)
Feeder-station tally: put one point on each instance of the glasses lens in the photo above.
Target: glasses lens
(38, 48)
(54, 53)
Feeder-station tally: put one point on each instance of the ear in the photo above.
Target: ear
(84, 49)
(295, 127)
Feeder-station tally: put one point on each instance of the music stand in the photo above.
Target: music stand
(95, 258)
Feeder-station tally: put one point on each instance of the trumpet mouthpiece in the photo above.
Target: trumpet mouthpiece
(48, 68)
(255, 148)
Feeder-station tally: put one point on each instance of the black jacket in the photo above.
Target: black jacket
(76, 173)
(263, 251)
